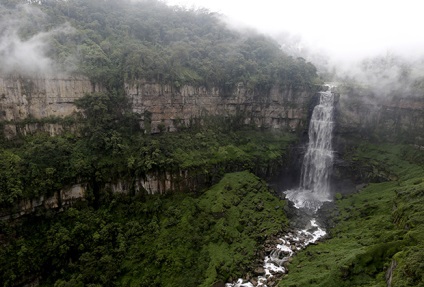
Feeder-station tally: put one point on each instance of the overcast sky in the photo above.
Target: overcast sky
(344, 28)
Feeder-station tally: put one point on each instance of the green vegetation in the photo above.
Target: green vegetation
(109, 145)
(173, 240)
(191, 237)
(195, 238)
(116, 41)
(379, 230)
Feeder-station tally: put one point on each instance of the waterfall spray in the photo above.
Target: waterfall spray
(314, 183)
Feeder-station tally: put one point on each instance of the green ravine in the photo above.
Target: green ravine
(190, 237)
(173, 240)
(210, 229)
(381, 225)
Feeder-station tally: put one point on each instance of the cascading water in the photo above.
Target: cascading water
(313, 191)
(314, 183)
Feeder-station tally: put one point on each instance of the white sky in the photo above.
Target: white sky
(346, 29)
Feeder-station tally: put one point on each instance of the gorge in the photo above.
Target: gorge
(314, 189)
(157, 146)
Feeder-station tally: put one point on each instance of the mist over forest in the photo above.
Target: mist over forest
(144, 39)
(149, 144)
(36, 40)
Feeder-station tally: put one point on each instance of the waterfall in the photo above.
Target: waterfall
(314, 182)
(313, 191)
(319, 155)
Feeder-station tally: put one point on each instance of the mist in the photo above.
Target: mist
(23, 51)
(343, 39)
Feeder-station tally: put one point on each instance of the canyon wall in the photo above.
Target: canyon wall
(281, 108)
(31, 100)
(41, 97)
(25, 103)
(154, 183)
(396, 118)
(31, 104)
(65, 197)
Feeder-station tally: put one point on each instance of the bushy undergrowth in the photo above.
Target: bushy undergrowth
(378, 237)
(176, 240)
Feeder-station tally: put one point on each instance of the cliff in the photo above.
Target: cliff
(41, 97)
(364, 117)
(28, 101)
(31, 104)
(31, 100)
(281, 108)
(397, 118)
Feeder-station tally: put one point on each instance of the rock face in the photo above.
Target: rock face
(26, 103)
(65, 197)
(395, 118)
(159, 105)
(282, 108)
(164, 106)
(41, 97)
(31, 99)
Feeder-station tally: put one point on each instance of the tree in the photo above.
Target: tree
(10, 178)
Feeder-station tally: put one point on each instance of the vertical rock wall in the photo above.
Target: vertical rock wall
(282, 108)
(41, 97)
(36, 98)
(398, 118)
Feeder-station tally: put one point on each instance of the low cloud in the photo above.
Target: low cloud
(26, 55)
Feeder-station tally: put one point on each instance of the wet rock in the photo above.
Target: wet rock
(268, 249)
(259, 271)
(261, 254)
(277, 251)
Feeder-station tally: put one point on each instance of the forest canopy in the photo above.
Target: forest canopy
(120, 41)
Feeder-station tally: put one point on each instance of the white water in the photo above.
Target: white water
(313, 191)
(288, 245)
(314, 182)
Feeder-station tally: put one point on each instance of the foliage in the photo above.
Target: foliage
(107, 239)
(109, 145)
(380, 226)
(11, 185)
(117, 41)
(177, 240)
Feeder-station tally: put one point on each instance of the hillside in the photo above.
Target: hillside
(114, 42)
(138, 142)
(95, 188)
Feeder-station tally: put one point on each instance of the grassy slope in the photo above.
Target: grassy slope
(383, 222)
